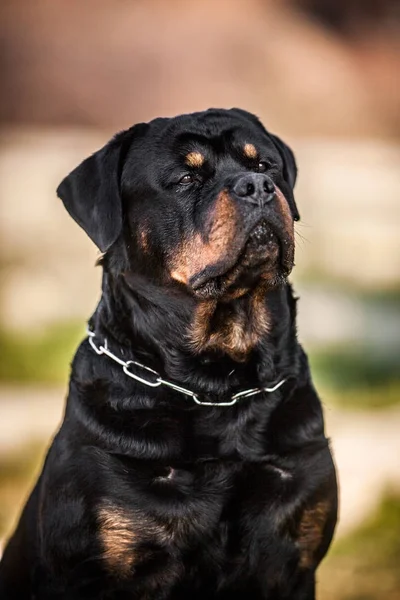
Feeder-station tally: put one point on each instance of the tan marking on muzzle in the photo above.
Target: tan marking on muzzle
(196, 253)
(284, 209)
(287, 218)
(250, 151)
(194, 159)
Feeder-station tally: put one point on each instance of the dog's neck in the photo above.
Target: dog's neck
(212, 347)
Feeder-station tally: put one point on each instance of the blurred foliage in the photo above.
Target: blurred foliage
(39, 357)
(356, 377)
(351, 368)
(352, 377)
(312, 276)
(361, 399)
(365, 564)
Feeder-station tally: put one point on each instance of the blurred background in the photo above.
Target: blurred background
(324, 75)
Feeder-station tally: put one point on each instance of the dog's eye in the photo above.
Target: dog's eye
(263, 166)
(188, 178)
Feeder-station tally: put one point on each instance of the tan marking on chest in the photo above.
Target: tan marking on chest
(250, 151)
(117, 537)
(236, 333)
(143, 239)
(311, 532)
(194, 159)
(121, 532)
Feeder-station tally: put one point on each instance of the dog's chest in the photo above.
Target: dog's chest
(214, 503)
(225, 522)
(219, 496)
(214, 520)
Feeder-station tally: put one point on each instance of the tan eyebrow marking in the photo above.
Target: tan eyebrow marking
(194, 159)
(250, 151)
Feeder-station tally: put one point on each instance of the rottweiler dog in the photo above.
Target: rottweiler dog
(192, 460)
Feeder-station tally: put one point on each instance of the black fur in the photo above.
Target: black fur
(144, 494)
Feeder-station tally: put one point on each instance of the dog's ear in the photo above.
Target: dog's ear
(91, 192)
(289, 162)
(289, 168)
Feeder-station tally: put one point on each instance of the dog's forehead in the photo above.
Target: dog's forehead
(212, 129)
(194, 139)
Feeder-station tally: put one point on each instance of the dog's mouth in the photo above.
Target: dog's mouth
(260, 254)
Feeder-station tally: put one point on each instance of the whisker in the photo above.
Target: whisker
(303, 224)
(302, 238)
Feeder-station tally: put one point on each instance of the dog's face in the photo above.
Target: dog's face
(204, 201)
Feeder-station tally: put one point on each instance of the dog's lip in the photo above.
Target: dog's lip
(221, 268)
(200, 279)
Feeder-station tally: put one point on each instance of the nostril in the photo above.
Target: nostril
(250, 189)
(269, 187)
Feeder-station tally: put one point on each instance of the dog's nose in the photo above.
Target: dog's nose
(256, 188)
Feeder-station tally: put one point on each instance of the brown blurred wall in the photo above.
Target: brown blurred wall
(74, 72)
(110, 63)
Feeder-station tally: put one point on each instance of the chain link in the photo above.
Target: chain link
(103, 349)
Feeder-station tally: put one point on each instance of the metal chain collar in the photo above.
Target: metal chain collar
(158, 380)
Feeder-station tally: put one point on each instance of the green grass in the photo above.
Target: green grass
(42, 357)
(365, 565)
(378, 540)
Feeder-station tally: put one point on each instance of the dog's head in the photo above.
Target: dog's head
(203, 201)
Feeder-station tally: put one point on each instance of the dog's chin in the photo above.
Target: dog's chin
(259, 261)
